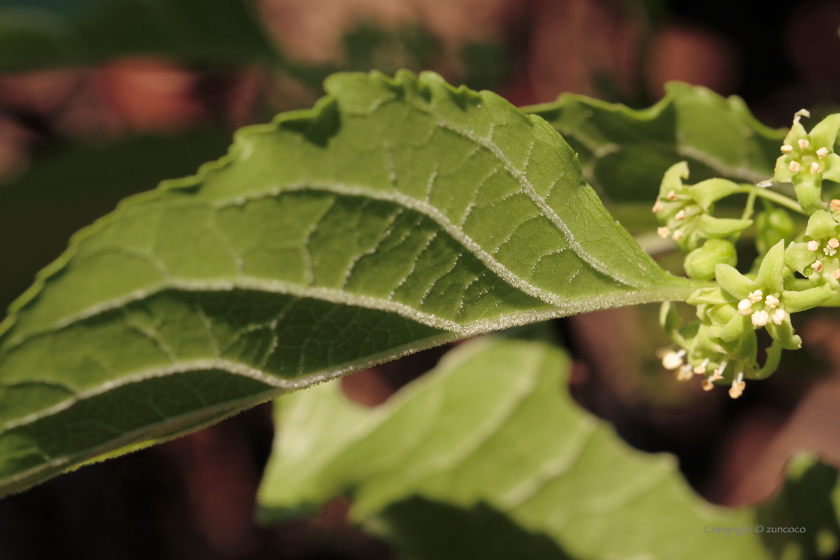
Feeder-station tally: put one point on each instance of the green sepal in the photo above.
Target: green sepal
(821, 225)
(783, 334)
(709, 191)
(670, 321)
(706, 295)
(736, 327)
(772, 266)
(808, 188)
(721, 227)
(704, 343)
(796, 132)
(794, 302)
(824, 133)
(686, 336)
(798, 257)
(735, 283)
(771, 364)
(673, 178)
(831, 167)
(747, 347)
(833, 301)
(782, 173)
(721, 314)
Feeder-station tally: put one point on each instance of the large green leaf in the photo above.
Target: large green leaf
(47, 33)
(488, 457)
(397, 215)
(625, 152)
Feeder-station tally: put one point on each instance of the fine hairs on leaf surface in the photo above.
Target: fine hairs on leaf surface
(397, 215)
(488, 457)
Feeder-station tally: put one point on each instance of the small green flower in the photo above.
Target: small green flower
(764, 302)
(685, 210)
(698, 354)
(724, 341)
(807, 159)
(701, 353)
(816, 256)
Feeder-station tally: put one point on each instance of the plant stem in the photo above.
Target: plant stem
(778, 198)
(748, 209)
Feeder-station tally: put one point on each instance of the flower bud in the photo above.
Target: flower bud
(771, 227)
(700, 263)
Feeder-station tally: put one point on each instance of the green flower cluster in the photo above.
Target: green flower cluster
(815, 256)
(686, 210)
(807, 159)
(791, 274)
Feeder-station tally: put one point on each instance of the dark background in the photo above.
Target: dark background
(75, 141)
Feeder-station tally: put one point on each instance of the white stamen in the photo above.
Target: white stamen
(738, 386)
(822, 152)
(794, 166)
(672, 196)
(709, 383)
(680, 215)
(835, 205)
(786, 149)
(663, 232)
(813, 245)
(833, 243)
(815, 168)
(779, 316)
(829, 252)
(701, 369)
(772, 302)
(684, 373)
(745, 307)
(677, 235)
(765, 184)
(760, 318)
(673, 360)
(755, 296)
(657, 208)
(803, 144)
(817, 266)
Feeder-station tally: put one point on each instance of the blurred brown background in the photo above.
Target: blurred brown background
(156, 118)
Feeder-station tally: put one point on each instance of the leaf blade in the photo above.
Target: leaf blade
(575, 484)
(397, 215)
(625, 152)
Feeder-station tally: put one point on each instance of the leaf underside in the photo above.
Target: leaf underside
(624, 152)
(396, 215)
(488, 457)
